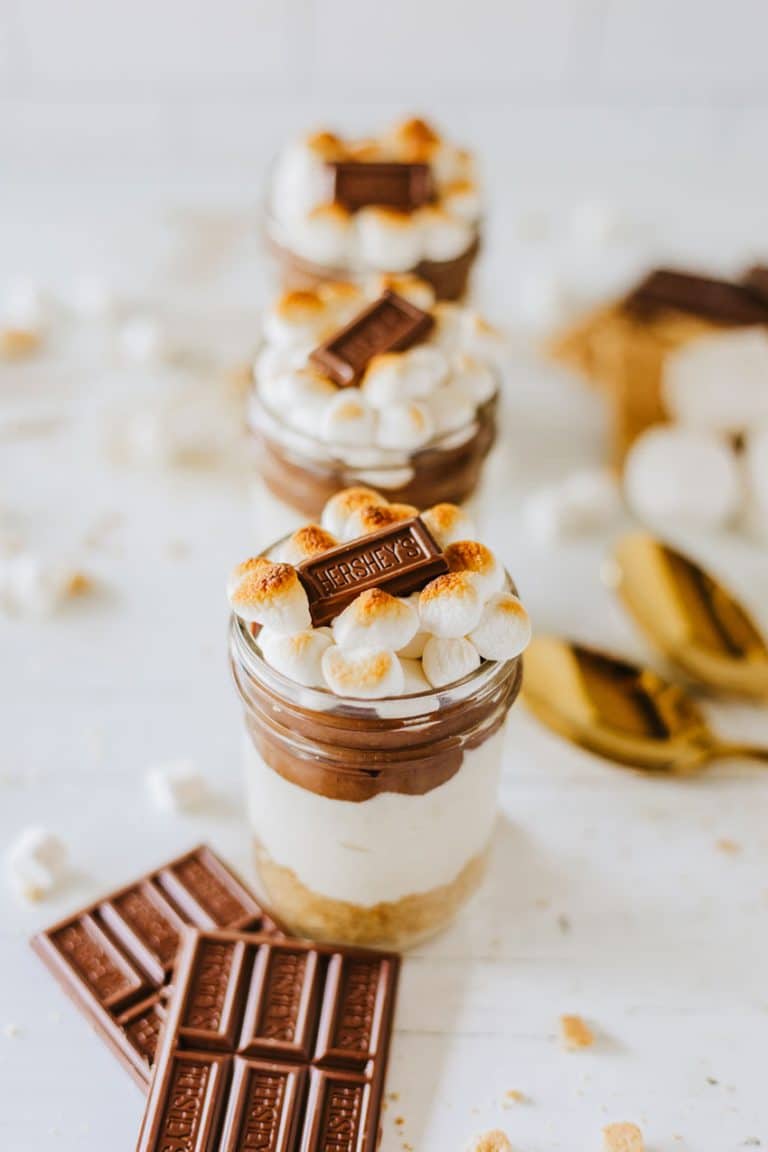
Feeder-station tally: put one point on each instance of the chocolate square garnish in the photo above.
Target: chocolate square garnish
(756, 281)
(390, 324)
(360, 184)
(720, 301)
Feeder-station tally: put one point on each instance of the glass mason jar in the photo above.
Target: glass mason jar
(372, 819)
(304, 471)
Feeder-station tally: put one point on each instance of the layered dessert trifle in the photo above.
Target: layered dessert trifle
(377, 654)
(376, 385)
(404, 201)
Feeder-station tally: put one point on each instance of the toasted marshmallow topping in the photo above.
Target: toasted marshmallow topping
(341, 506)
(405, 399)
(376, 620)
(450, 605)
(504, 630)
(381, 644)
(448, 523)
(412, 288)
(308, 541)
(272, 595)
(365, 673)
(376, 238)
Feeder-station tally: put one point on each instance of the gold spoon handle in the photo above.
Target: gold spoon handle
(743, 751)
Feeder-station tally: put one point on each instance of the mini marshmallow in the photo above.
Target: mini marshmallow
(324, 235)
(451, 166)
(404, 426)
(719, 382)
(504, 630)
(306, 542)
(276, 360)
(479, 563)
(414, 139)
(480, 339)
(474, 379)
(300, 178)
(445, 236)
(462, 199)
(446, 660)
(348, 419)
(412, 288)
(36, 863)
(300, 391)
(297, 317)
(365, 673)
(376, 620)
(373, 517)
(586, 501)
(30, 586)
(394, 377)
(299, 657)
(345, 300)
(388, 239)
(142, 341)
(448, 523)
(452, 408)
(680, 474)
(450, 605)
(177, 786)
(272, 595)
(340, 507)
(448, 332)
(414, 680)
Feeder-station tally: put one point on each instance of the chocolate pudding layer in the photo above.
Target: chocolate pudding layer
(372, 818)
(449, 278)
(303, 473)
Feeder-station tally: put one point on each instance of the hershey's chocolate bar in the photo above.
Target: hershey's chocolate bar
(115, 958)
(390, 324)
(400, 560)
(358, 184)
(273, 1045)
(756, 280)
(721, 301)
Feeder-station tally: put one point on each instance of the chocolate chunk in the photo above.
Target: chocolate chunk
(756, 281)
(276, 1045)
(115, 957)
(720, 301)
(400, 560)
(390, 324)
(358, 184)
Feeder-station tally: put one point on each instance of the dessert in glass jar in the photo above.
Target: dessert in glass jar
(376, 385)
(376, 670)
(403, 201)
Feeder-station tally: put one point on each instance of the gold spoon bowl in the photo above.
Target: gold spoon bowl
(689, 616)
(621, 711)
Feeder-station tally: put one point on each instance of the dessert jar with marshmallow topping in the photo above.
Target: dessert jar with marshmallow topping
(404, 201)
(374, 719)
(415, 421)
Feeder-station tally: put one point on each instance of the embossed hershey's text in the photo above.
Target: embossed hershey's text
(369, 563)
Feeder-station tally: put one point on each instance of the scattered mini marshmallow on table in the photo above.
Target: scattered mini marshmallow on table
(380, 644)
(36, 863)
(176, 786)
(32, 586)
(584, 502)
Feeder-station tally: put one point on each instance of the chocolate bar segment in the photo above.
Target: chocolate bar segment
(115, 958)
(303, 1065)
(390, 324)
(360, 184)
(720, 301)
(756, 281)
(400, 560)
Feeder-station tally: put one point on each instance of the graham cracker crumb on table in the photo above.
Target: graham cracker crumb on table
(513, 1096)
(622, 1138)
(399, 1120)
(575, 1033)
(493, 1141)
(730, 847)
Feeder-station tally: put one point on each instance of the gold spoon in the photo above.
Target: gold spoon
(620, 710)
(696, 623)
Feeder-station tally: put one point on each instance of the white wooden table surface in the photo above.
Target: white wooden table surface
(608, 895)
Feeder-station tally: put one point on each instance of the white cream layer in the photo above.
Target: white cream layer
(381, 849)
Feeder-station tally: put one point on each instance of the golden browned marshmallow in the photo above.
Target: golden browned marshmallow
(367, 673)
(326, 145)
(504, 629)
(307, 541)
(450, 606)
(272, 595)
(448, 523)
(376, 620)
(340, 507)
(373, 517)
(479, 563)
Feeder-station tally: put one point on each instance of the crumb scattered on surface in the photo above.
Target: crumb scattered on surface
(513, 1096)
(399, 1120)
(564, 925)
(622, 1137)
(494, 1141)
(729, 847)
(392, 1096)
(711, 1080)
(11, 1031)
(575, 1033)
(78, 584)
